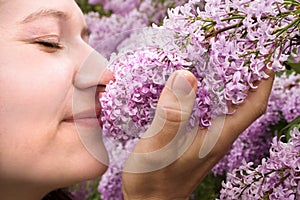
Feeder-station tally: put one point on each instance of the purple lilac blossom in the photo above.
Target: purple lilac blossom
(155, 10)
(106, 33)
(129, 103)
(81, 191)
(132, 98)
(230, 51)
(291, 108)
(110, 186)
(241, 61)
(94, 2)
(140, 75)
(119, 7)
(283, 105)
(278, 177)
(234, 64)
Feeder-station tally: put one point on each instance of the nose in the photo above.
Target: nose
(88, 78)
(93, 72)
(106, 77)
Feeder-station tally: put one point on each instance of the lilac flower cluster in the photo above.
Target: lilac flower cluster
(253, 144)
(110, 186)
(227, 44)
(155, 10)
(120, 7)
(278, 177)
(81, 191)
(236, 58)
(129, 108)
(108, 32)
(291, 108)
(243, 38)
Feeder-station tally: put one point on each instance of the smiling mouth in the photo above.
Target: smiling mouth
(86, 122)
(86, 119)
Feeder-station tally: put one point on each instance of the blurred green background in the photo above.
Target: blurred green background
(86, 7)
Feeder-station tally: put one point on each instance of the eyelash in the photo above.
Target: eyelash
(51, 45)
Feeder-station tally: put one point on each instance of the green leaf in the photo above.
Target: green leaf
(86, 8)
(209, 188)
(291, 64)
(295, 67)
(286, 130)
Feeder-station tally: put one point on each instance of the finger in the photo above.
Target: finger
(174, 108)
(214, 143)
(253, 107)
(165, 141)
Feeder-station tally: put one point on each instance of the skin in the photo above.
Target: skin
(40, 149)
(39, 61)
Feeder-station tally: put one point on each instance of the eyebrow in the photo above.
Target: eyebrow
(45, 13)
(52, 13)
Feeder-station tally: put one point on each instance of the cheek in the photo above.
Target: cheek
(34, 89)
(36, 92)
(32, 96)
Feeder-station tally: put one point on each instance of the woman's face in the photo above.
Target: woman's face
(43, 48)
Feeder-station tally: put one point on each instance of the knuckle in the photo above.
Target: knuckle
(172, 114)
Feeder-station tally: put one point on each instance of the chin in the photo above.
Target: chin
(85, 173)
(85, 156)
(96, 171)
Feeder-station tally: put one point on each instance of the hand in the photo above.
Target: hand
(155, 172)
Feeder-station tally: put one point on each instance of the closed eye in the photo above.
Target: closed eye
(52, 45)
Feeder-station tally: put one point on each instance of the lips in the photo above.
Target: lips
(89, 117)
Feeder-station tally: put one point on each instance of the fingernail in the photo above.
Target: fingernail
(181, 84)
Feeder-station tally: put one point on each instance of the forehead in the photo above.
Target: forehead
(20, 10)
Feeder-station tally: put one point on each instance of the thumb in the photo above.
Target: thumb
(164, 142)
(177, 99)
(173, 110)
